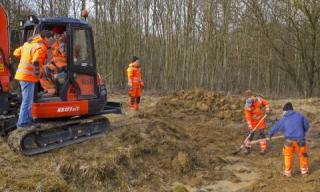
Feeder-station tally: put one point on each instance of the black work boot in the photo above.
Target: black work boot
(262, 152)
(247, 151)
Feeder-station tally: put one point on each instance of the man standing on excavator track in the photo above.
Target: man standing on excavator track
(135, 83)
(255, 109)
(32, 55)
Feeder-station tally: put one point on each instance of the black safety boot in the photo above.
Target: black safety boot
(263, 152)
(247, 151)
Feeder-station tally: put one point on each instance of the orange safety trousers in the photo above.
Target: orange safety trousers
(288, 150)
(134, 98)
(262, 142)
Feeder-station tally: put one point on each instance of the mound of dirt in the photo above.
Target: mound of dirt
(209, 103)
(179, 138)
(147, 156)
(176, 143)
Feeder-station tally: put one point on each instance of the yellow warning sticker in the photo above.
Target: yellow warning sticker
(1, 67)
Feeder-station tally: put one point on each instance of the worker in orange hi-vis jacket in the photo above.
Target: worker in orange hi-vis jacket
(57, 62)
(255, 109)
(135, 83)
(32, 55)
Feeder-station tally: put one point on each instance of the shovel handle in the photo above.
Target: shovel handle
(267, 139)
(254, 129)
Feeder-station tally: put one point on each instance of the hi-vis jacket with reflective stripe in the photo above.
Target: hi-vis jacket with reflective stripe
(31, 51)
(134, 76)
(255, 109)
(59, 60)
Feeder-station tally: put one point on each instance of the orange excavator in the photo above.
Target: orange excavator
(77, 112)
(9, 102)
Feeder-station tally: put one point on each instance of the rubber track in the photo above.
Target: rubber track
(16, 138)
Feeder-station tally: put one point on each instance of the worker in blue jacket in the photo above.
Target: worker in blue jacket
(294, 127)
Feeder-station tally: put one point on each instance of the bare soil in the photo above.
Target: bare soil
(178, 142)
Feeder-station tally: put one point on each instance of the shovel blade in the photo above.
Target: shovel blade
(238, 150)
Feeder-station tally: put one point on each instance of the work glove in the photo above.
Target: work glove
(142, 85)
(268, 112)
(129, 87)
(270, 136)
(249, 126)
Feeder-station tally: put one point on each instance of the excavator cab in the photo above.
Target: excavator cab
(75, 113)
(80, 90)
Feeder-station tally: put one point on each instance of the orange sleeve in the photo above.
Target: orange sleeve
(141, 81)
(265, 103)
(130, 75)
(51, 66)
(40, 55)
(17, 52)
(248, 117)
(55, 48)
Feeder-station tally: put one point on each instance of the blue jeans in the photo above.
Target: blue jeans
(25, 115)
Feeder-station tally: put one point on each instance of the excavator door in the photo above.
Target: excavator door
(82, 67)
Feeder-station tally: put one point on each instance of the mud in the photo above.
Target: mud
(178, 142)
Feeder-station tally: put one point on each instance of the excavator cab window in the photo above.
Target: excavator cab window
(83, 67)
(82, 52)
(28, 32)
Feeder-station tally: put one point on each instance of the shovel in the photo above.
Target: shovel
(267, 139)
(251, 132)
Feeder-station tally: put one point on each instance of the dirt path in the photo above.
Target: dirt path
(180, 142)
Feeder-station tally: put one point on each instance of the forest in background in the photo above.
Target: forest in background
(269, 46)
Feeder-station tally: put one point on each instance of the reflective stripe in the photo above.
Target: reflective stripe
(59, 59)
(248, 109)
(22, 64)
(26, 71)
(256, 117)
(36, 47)
(263, 144)
(304, 170)
(247, 144)
(135, 81)
(49, 86)
(287, 173)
